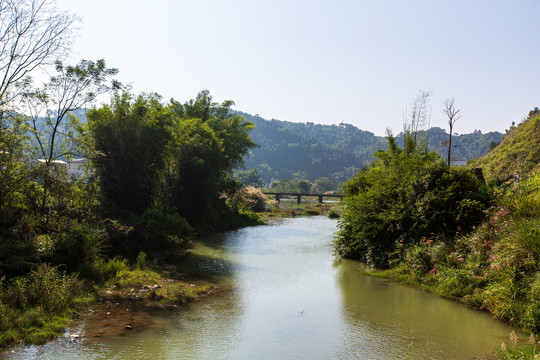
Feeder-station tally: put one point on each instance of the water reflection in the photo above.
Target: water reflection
(289, 298)
(408, 321)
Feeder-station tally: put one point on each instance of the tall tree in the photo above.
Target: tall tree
(130, 138)
(453, 115)
(210, 142)
(70, 89)
(418, 116)
(32, 33)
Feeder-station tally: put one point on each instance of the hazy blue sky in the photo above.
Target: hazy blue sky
(359, 62)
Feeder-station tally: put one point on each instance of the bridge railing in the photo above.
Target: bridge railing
(278, 196)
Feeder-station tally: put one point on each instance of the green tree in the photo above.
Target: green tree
(14, 172)
(130, 140)
(402, 197)
(249, 177)
(322, 185)
(209, 143)
(196, 170)
(32, 34)
(304, 186)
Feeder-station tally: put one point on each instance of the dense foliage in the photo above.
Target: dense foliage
(319, 186)
(406, 195)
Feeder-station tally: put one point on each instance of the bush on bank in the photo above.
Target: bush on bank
(36, 307)
(405, 198)
(494, 267)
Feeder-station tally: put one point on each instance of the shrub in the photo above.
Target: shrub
(165, 229)
(418, 259)
(247, 199)
(141, 260)
(77, 246)
(406, 197)
(107, 269)
(456, 283)
(332, 214)
(45, 287)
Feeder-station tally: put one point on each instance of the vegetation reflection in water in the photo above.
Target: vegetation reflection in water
(290, 298)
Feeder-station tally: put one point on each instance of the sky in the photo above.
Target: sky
(360, 62)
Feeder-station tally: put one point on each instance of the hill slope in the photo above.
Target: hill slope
(519, 151)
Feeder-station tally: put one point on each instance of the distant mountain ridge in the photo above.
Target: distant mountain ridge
(289, 150)
(307, 150)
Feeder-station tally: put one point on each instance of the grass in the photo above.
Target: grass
(153, 288)
(519, 151)
(37, 308)
(516, 351)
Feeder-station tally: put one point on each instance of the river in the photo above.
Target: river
(291, 299)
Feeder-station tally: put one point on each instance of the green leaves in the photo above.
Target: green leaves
(147, 153)
(402, 197)
(130, 144)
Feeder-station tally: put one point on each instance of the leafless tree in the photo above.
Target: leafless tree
(32, 33)
(71, 89)
(419, 112)
(453, 115)
(416, 120)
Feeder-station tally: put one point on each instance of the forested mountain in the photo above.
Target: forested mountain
(290, 150)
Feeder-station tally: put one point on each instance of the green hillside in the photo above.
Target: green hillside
(519, 151)
(290, 150)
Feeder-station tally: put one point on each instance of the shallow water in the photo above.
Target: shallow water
(291, 298)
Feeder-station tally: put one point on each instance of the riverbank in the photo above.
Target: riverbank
(494, 267)
(42, 308)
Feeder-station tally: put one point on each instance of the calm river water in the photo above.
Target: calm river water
(291, 299)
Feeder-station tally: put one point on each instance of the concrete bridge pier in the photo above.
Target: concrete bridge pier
(298, 199)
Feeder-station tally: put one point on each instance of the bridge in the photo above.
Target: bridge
(299, 196)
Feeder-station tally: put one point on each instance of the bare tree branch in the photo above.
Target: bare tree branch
(453, 115)
(32, 33)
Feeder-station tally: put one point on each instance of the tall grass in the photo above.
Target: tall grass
(34, 308)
